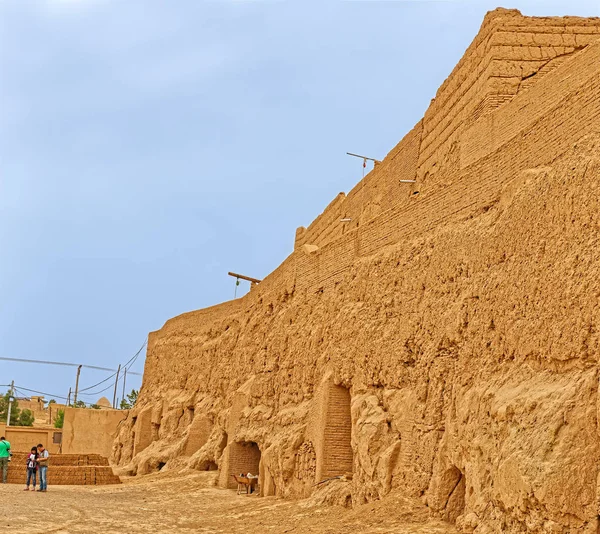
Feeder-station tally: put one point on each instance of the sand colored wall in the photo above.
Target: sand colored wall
(243, 457)
(377, 192)
(87, 431)
(455, 327)
(144, 433)
(37, 407)
(44, 414)
(23, 438)
(510, 55)
(67, 469)
(198, 434)
(52, 411)
(335, 456)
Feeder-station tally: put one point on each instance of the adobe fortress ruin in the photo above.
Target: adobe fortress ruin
(444, 343)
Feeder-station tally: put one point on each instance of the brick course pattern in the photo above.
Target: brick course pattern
(337, 434)
(243, 458)
(67, 469)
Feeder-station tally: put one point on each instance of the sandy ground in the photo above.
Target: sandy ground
(191, 504)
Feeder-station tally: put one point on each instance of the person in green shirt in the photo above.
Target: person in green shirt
(4, 458)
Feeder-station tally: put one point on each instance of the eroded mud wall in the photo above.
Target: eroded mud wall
(461, 323)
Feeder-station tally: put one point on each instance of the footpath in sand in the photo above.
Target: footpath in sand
(191, 504)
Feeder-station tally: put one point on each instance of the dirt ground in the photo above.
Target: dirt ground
(191, 504)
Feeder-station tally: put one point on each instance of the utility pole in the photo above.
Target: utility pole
(124, 380)
(116, 383)
(76, 386)
(69, 398)
(10, 401)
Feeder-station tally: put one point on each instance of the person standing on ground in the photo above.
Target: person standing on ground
(4, 458)
(42, 460)
(32, 468)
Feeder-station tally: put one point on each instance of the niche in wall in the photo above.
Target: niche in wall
(244, 457)
(336, 449)
(454, 493)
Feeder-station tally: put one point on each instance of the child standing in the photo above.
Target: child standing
(32, 468)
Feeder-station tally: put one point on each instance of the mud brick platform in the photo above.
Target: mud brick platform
(67, 469)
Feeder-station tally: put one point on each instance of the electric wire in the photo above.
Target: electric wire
(130, 363)
(110, 386)
(20, 390)
(94, 393)
(48, 362)
(23, 389)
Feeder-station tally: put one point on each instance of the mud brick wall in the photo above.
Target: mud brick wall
(198, 435)
(23, 438)
(67, 469)
(79, 460)
(336, 452)
(305, 468)
(143, 433)
(444, 344)
(244, 458)
(86, 431)
(378, 191)
(510, 54)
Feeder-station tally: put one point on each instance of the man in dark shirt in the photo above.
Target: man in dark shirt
(43, 456)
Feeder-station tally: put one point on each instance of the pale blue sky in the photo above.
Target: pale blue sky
(148, 147)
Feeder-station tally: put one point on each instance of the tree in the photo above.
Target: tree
(14, 412)
(52, 401)
(79, 404)
(26, 418)
(59, 420)
(127, 404)
(94, 407)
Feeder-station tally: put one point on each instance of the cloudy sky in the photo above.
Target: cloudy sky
(148, 147)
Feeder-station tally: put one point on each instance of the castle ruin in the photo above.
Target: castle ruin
(444, 341)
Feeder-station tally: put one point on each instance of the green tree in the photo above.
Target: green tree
(26, 418)
(127, 404)
(59, 420)
(14, 412)
(52, 401)
(79, 404)
(94, 407)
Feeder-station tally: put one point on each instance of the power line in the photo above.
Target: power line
(82, 391)
(21, 391)
(130, 363)
(94, 393)
(85, 391)
(21, 388)
(47, 362)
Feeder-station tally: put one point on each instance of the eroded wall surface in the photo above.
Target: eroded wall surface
(445, 344)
